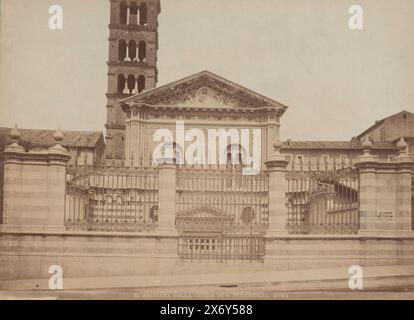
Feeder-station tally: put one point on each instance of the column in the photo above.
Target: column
(127, 58)
(128, 15)
(276, 168)
(135, 91)
(366, 166)
(404, 178)
(126, 89)
(167, 197)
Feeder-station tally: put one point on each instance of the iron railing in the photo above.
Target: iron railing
(322, 199)
(221, 214)
(111, 199)
(224, 199)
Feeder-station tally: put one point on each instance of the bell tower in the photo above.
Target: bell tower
(132, 63)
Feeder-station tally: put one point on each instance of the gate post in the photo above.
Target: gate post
(34, 187)
(276, 167)
(385, 193)
(167, 197)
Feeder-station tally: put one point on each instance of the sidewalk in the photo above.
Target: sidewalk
(320, 279)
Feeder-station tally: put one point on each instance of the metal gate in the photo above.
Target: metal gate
(222, 215)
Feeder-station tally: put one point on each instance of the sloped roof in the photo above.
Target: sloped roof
(235, 89)
(44, 138)
(334, 145)
(380, 122)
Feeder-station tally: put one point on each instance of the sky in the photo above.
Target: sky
(335, 81)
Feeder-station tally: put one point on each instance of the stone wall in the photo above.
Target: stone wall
(2, 147)
(1, 187)
(29, 256)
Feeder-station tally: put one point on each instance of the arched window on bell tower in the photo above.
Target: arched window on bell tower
(133, 13)
(132, 52)
(122, 50)
(123, 13)
(141, 83)
(121, 83)
(143, 14)
(131, 83)
(142, 51)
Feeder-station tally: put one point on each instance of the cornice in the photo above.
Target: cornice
(193, 111)
(35, 157)
(375, 165)
(115, 126)
(133, 27)
(118, 95)
(135, 64)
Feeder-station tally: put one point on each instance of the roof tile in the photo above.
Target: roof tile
(44, 138)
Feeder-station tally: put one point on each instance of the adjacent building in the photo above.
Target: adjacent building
(85, 147)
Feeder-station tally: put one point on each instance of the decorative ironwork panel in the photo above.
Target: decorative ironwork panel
(322, 199)
(221, 214)
(111, 199)
(221, 248)
(235, 202)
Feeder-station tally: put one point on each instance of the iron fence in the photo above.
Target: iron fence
(323, 200)
(111, 199)
(224, 199)
(221, 214)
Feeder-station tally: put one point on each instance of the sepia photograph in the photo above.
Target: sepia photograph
(183, 150)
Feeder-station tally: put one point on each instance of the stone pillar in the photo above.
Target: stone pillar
(127, 58)
(167, 197)
(385, 194)
(34, 187)
(276, 168)
(135, 90)
(126, 88)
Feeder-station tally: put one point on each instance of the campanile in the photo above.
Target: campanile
(132, 63)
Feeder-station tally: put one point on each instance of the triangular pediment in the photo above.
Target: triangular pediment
(204, 90)
(204, 212)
